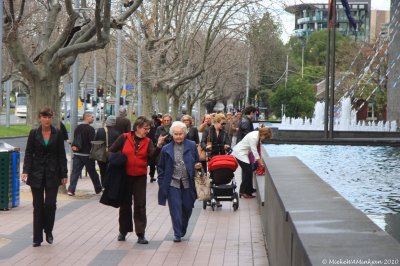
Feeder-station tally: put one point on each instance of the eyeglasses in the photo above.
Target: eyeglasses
(146, 128)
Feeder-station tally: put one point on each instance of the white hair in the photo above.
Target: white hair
(178, 124)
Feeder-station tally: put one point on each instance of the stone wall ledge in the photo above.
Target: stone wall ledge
(306, 222)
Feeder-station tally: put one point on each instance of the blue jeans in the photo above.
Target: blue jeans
(78, 162)
(180, 202)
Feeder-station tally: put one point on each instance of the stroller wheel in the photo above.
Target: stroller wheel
(235, 201)
(204, 204)
(213, 205)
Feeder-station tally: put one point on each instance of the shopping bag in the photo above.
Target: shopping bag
(202, 183)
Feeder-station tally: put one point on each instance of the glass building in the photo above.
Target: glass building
(314, 16)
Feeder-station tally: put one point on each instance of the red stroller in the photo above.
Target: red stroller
(223, 185)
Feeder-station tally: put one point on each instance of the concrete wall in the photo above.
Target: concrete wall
(306, 222)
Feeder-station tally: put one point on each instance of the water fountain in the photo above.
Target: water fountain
(345, 120)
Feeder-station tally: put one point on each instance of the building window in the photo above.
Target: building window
(371, 112)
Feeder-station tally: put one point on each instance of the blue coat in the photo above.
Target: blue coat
(166, 168)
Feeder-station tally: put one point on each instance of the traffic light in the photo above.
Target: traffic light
(100, 92)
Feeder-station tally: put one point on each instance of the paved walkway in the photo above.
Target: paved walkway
(86, 231)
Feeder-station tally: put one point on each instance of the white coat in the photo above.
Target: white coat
(246, 145)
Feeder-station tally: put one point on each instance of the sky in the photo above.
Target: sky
(287, 19)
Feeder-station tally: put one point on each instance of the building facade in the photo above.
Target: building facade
(379, 24)
(314, 17)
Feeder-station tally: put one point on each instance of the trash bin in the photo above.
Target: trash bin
(9, 176)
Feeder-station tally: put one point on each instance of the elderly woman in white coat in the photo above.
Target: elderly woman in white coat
(250, 143)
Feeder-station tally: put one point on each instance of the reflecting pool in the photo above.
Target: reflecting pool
(368, 177)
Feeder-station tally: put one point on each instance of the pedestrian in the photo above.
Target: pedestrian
(235, 127)
(228, 126)
(163, 130)
(138, 148)
(64, 131)
(155, 123)
(250, 143)
(246, 124)
(206, 124)
(44, 170)
(193, 133)
(176, 171)
(111, 135)
(123, 124)
(83, 135)
(202, 128)
(215, 140)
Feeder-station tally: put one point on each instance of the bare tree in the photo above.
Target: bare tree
(179, 37)
(43, 41)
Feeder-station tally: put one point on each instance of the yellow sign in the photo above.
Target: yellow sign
(123, 93)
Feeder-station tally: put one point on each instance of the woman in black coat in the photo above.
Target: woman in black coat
(112, 134)
(217, 136)
(193, 133)
(45, 169)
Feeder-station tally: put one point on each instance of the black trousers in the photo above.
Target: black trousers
(246, 186)
(103, 170)
(44, 210)
(152, 164)
(136, 186)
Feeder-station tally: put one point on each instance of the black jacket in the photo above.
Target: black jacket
(115, 193)
(45, 161)
(245, 127)
(218, 143)
(113, 134)
(193, 134)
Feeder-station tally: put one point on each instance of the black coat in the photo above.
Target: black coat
(193, 134)
(218, 143)
(113, 134)
(245, 127)
(45, 161)
(115, 193)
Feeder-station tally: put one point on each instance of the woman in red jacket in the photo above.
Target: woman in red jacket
(138, 149)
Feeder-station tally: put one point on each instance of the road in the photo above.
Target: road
(13, 120)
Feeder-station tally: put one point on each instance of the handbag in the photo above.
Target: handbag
(99, 149)
(202, 183)
(260, 169)
(202, 153)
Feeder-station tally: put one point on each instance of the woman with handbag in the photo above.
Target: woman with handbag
(250, 144)
(215, 140)
(109, 135)
(176, 171)
(44, 170)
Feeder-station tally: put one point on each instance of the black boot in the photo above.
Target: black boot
(121, 236)
(142, 239)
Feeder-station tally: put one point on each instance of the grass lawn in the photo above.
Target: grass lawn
(19, 130)
(14, 131)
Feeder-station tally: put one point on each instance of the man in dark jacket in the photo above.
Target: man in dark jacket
(86, 134)
(123, 124)
(246, 124)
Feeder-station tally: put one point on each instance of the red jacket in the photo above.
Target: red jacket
(136, 164)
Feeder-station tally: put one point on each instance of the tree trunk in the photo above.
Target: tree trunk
(147, 101)
(44, 93)
(162, 101)
(175, 106)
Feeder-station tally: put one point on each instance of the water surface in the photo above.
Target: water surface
(368, 177)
